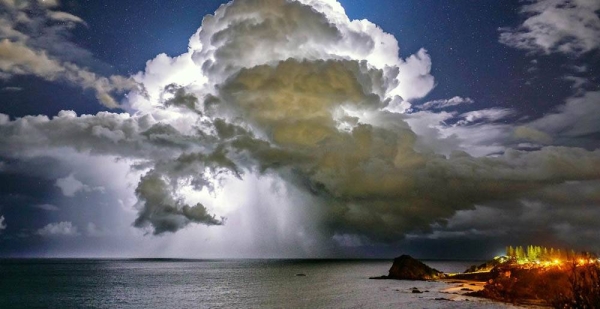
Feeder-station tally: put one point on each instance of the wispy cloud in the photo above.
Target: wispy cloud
(34, 41)
(47, 207)
(556, 26)
(11, 89)
(488, 115)
(442, 104)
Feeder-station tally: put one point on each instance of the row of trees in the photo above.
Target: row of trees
(538, 253)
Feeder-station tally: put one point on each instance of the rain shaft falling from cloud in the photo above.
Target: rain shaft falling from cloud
(296, 91)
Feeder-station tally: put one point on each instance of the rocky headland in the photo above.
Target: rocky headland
(407, 268)
(558, 284)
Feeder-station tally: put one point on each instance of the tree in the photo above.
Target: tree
(520, 253)
(510, 251)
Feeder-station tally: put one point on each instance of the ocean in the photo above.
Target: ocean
(86, 283)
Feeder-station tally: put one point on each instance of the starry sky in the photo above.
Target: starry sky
(309, 128)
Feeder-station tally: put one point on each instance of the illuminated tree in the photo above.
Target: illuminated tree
(520, 253)
(510, 251)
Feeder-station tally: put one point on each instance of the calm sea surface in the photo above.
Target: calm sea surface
(216, 284)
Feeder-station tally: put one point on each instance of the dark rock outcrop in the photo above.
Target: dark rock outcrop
(408, 268)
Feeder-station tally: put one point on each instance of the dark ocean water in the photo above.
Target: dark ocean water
(216, 284)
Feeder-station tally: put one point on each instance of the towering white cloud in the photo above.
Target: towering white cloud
(244, 34)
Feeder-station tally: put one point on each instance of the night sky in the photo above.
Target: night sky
(309, 128)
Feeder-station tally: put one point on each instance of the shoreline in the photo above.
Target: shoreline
(546, 284)
(462, 289)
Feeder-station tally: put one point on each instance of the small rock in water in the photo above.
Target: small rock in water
(416, 291)
(300, 275)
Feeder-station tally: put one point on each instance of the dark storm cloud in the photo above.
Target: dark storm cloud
(26, 183)
(296, 91)
(165, 214)
(560, 215)
(370, 179)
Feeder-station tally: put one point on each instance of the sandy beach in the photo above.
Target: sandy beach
(458, 290)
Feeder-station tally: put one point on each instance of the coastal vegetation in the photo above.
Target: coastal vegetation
(533, 275)
(547, 256)
(539, 275)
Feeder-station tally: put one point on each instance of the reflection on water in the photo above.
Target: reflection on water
(215, 284)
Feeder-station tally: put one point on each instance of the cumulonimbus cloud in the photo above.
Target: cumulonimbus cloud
(298, 90)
